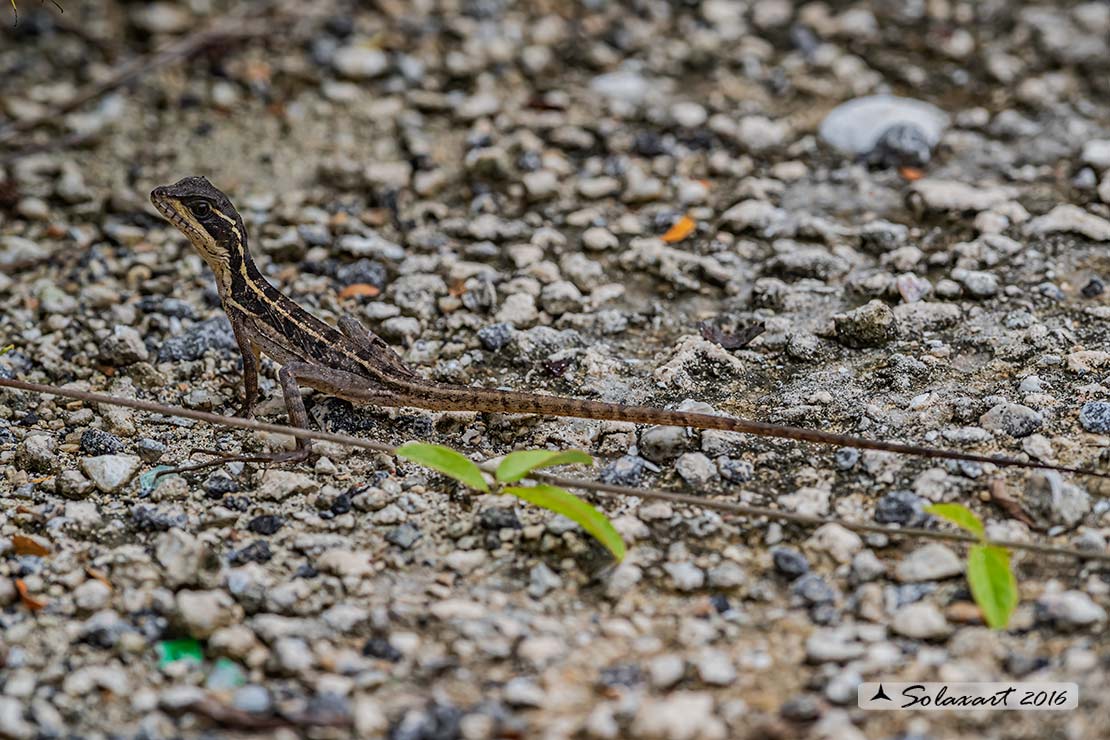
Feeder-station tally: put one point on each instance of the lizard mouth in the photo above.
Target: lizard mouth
(164, 204)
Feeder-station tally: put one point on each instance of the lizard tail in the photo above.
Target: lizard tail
(482, 399)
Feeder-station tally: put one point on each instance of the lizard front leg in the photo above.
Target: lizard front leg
(250, 353)
(292, 376)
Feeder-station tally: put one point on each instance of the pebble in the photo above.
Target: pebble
(1055, 502)
(1013, 419)
(1094, 416)
(360, 61)
(932, 562)
(685, 576)
(789, 562)
(920, 620)
(1066, 218)
(110, 472)
(904, 130)
(870, 325)
(1070, 609)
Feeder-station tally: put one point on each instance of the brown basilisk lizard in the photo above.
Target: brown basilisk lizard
(351, 362)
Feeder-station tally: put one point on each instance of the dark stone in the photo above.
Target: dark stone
(404, 536)
(899, 507)
(256, 552)
(150, 519)
(307, 571)
(498, 517)
(801, 708)
(150, 450)
(624, 471)
(1093, 288)
(789, 562)
(846, 458)
(1095, 417)
(436, 722)
(219, 485)
(99, 442)
(341, 504)
(364, 271)
(901, 145)
(814, 589)
(267, 524)
(380, 647)
(495, 336)
(626, 674)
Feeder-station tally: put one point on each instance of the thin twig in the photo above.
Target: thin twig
(605, 489)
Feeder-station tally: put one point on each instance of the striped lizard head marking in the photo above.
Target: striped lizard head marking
(207, 218)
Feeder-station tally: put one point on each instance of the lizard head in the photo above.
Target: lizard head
(207, 218)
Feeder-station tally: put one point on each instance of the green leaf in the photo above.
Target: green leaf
(6, 349)
(171, 651)
(446, 461)
(516, 465)
(959, 515)
(563, 502)
(992, 583)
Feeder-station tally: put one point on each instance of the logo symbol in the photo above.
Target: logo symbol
(880, 694)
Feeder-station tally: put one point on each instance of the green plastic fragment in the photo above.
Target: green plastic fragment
(171, 651)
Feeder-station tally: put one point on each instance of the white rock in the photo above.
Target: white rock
(688, 114)
(523, 692)
(110, 472)
(950, 195)
(715, 668)
(92, 595)
(921, 621)
(840, 543)
(686, 576)
(683, 715)
(1066, 218)
(346, 563)
(1072, 609)
(204, 612)
(932, 562)
(360, 62)
(12, 724)
(854, 127)
(1096, 153)
(666, 670)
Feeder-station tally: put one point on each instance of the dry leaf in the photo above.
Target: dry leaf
(99, 576)
(682, 228)
(910, 174)
(359, 289)
(28, 601)
(24, 545)
(1000, 497)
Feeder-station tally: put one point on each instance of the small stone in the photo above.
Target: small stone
(932, 562)
(92, 595)
(789, 562)
(203, 612)
(727, 575)
(37, 453)
(1073, 609)
(252, 698)
(12, 723)
(541, 580)
(900, 507)
(1066, 218)
(1055, 502)
(688, 114)
(920, 620)
(1095, 417)
(495, 336)
(110, 472)
(910, 129)
(840, 543)
(541, 184)
(715, 668)
(404, 536)
(1013, 419)
(685, 576)
(214, 334)
(124, 346)
(98, 442)
(72, 484)
(696, 469)
(870, 325)
(360, 62)
(814, 590)
(523, 692)
(598, 239)
(666, 670)
(278, 485)
(662, 444)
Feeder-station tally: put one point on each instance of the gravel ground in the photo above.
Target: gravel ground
(590, 199)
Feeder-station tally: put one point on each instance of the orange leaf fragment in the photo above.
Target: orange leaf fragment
(28, 600)
(911, 173)
(24, 545)
(99, 576)
(682, 228)
(359, 289)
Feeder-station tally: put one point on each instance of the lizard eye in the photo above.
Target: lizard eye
(200, 208)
